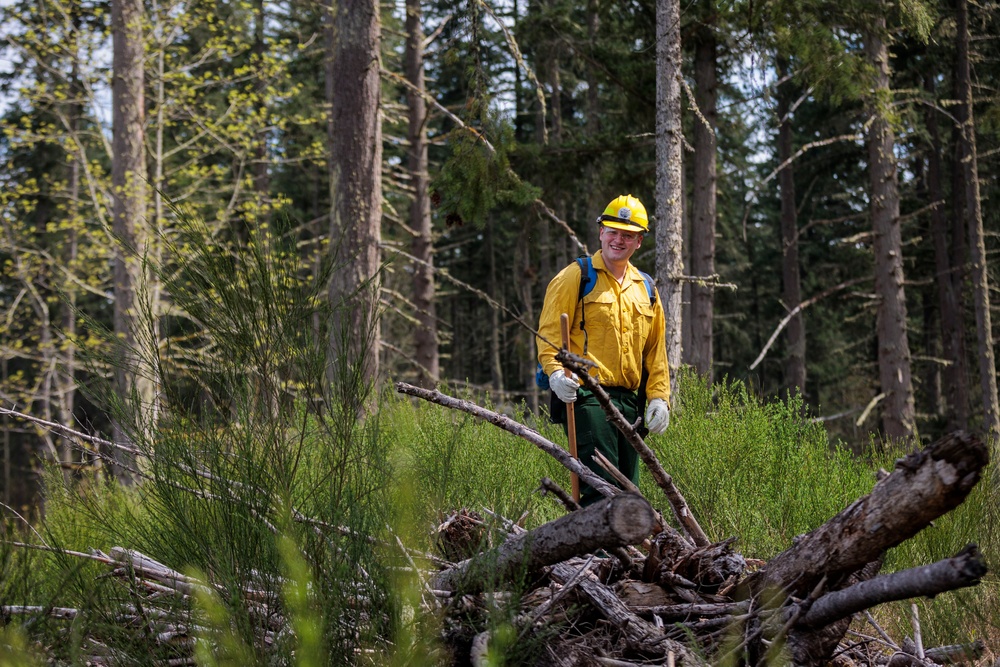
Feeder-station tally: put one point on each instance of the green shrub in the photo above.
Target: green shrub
(760, 470)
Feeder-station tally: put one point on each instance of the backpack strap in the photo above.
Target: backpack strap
(588, 275)
(588, 278)
(650, 287)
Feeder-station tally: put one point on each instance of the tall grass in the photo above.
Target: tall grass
(265, 473)
(760, 470)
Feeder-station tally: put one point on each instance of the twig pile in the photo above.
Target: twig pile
(593, 598)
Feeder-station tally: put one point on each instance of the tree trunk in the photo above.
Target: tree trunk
(893, 344)
(954, 375)
(128, 178)
(66, 380)
(355, 138)
(974, 222)
(791, 286)
(669, 196)
(496, 364)
(597, 195)
(614, 522)
(425, 336)
(704, 202)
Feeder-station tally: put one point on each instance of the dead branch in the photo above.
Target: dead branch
(677, 502)
(518, 429)
(798, 309)
(923, 486)
(960, 571)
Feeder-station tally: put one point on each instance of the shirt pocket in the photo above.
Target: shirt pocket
(642, 323)
(602, 323)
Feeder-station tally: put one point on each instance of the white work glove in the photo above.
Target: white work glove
(657, 416)
(564, 386)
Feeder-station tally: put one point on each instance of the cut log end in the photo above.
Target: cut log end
(630, 517)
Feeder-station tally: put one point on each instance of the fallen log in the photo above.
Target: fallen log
(923, 486)
(960, 571)
(616, 522)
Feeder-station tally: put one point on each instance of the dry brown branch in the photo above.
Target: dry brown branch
(798, 309)
(512, 426)
(962, 570)
(677, 502)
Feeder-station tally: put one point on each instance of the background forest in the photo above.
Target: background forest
(228, 226)
(820, 176)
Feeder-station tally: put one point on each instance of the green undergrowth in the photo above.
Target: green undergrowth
(760, 470)
(757, 469)
(452, 460)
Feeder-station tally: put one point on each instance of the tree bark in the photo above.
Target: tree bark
(355, 138)
(923, 486)
(974, 222)
(616, 522)
(961, 571)
(669, 195)
(703, 206)
(893, 345)
(954, 375)
(791, 285)
(425, 335)
(128, 179)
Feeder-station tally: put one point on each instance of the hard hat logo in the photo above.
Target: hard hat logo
(627, 213)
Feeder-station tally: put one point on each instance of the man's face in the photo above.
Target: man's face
(618, 245)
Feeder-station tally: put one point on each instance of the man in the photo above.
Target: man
(619, 327)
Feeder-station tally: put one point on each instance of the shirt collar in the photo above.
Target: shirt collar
(631, 273)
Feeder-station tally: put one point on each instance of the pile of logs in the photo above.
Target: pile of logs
(615, 584)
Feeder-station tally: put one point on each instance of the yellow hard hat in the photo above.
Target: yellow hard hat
(627, 213)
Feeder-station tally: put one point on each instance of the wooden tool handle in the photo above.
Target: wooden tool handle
(570, 417)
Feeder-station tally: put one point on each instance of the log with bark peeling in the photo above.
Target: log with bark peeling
(615, 522)
(923, 486)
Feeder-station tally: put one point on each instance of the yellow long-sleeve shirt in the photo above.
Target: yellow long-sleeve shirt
(623, 329)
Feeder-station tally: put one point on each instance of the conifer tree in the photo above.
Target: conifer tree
(974, 222)
(669, 195)
(705, 183)
(898, 418)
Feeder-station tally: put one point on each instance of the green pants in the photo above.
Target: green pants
(595, 432)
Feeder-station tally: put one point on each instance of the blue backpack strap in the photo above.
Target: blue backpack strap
(650, 287)
(588, 275)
